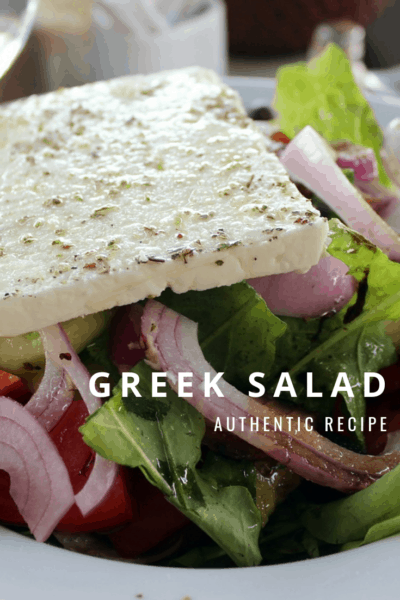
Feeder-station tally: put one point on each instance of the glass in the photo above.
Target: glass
(17, 18)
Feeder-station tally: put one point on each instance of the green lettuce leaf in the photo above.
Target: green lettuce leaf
(324, 94)
(237, 331)
(366, 516)
(162, 437)
(383, 275)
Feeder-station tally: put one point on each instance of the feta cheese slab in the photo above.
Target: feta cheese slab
(113, 191)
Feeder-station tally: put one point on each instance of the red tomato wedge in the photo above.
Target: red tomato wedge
(155, 520)
(278, 136)
(114, 511)
(13, 387)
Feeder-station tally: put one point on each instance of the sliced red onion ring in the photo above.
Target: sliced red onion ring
(326, 287)
(172, 346)
(382, 200)
(361, 160)
(40, 484)
(104, 472)
(53, 396)
(308, 159)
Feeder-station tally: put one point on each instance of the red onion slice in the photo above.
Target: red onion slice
(308, 159)
(53, 396)
(326, 287)
(361, 160)
(40, 484)
(63, 354)
(385, 202)
(104, 472)
(172, 346)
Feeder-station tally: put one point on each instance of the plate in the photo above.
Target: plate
(41, 572)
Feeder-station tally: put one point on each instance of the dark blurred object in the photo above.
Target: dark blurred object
(383, 40)
(261, 28)
(28, 75)
(348, 35)
(264, 113)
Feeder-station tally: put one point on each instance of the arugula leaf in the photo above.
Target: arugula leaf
(366, 516)
(237, 331)
(163, 438)
(210, 556)
(330, 101)
(366, 350)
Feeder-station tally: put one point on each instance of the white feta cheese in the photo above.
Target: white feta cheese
(108, 194)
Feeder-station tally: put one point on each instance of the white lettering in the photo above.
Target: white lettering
(342, 384)
(281, 387)
(259, 386)
(104, 387)
(229, 428)
(129, 383)
(208, 384)
(182, 384)
(351, 424)
(328, 423)
(310, 392)
(367, 385)
(156, 383)
(218, 426)
(309, 427)
(253, 423)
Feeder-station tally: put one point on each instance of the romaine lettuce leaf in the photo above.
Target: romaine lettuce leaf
(162, 437)
(324, 94)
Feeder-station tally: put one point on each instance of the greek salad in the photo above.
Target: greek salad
(175, 478)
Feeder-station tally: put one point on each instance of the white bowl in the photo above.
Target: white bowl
(40, 572)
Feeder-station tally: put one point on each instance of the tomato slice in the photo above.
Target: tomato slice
(13, 387)
(278, 136)
(155, 520)
(115, 510)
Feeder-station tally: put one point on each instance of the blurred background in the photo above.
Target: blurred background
(78, 41)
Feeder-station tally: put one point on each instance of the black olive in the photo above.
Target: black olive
(263, 113)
